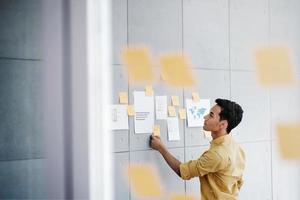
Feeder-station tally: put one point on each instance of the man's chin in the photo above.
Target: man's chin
(204, 128)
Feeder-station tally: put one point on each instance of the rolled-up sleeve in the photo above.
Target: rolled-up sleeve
(188, 170)
(210, 161)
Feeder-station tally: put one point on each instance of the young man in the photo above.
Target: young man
(220, 168)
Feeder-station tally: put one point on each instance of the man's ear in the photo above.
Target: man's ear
(223, 124)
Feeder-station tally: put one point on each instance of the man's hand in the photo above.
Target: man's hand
(156, 143)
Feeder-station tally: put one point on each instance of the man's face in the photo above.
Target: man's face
(212, 120)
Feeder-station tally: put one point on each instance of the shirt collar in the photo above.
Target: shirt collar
(221, 139)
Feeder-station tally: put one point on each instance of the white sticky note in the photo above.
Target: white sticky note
(144, 112)
(119, 120)
(196, 111)
(173, 129)
(161, 107)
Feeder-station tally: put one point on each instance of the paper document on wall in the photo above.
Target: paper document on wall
(173, 129)
(196, 111)
(161, 107)
(119, 120)
(144, 112)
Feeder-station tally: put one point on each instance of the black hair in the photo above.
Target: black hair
(230, 111)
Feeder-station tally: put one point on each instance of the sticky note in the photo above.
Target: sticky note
(123, 97)
(172, 111)
(289, 140)
(273, 66)
(138, 64)
(149, 90)
(175, 100)
(195, 97)
(156, 130)
(181, 197)
(130, 110)
(144, 181)
(182, 113)
(176, 70)
(162, 76)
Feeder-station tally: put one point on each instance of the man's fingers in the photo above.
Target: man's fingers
(150, 141)
(156, 136)
(153, 137)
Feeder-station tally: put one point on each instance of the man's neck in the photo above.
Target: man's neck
(216, 135)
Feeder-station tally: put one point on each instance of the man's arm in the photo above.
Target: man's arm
(157, 144)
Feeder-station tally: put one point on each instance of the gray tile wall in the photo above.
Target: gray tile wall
(21, 139)
(219, 36)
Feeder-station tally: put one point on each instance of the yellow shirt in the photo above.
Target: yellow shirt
(220, 169)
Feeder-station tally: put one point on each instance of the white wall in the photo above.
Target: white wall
(219, 36)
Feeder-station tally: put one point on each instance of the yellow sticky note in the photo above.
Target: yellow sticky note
(182, 197)
(123, 97)
(139, 64)
(144, 181)
(182, 113)
(162, 77)
(149, 90)
(130, 110)
(195, 97)
(175, 100)
(156, 130)
(172, 111)
(289, 140)
(176, 71)
(273, 66)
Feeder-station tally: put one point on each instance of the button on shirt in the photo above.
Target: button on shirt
(220, 169)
